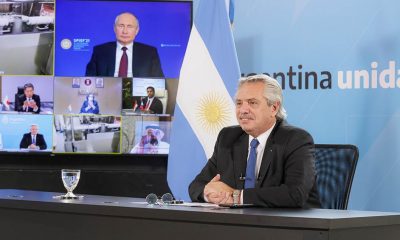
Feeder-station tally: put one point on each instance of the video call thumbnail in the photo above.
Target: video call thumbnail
(26, 133)
(163, 27)
(87, 95)
(87, 133)
(26, 94)
(146, 134)
(26, 37)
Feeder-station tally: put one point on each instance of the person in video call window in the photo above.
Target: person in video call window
(151, 104)
(124, 57)
(90, 105)
(33, 140)
(264, 161)
(152, 142)
(29, 101)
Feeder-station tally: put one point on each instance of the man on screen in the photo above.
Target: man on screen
(151, 104)
(29, 101)
(264, 161)
(33, 140)
(125, 58)
(152, 142)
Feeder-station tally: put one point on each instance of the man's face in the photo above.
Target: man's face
(34, 130)
(126, 28)
(28, 92)
(149, 132)
(150, 92)
(252, 111)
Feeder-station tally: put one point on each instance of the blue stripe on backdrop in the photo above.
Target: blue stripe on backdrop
(186, 156)
(212, 26)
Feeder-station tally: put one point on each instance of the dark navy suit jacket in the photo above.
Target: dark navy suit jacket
(22, 99)
(145, 61)
(156, 106)
(27, 140)
(287, 174)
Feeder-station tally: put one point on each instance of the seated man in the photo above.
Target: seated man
(151, 104)
(33, 140)
(29, 101)
(90, 105)
(264, 161)
(124, 57)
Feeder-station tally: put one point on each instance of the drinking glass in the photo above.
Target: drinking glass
(70, 178)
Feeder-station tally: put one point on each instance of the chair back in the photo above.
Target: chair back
(335, 166)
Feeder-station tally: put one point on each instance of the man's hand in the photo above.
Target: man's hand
(218, 192)
(32, 146)
(32, 104)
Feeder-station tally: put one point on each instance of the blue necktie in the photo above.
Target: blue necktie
(250, 180)
(34, 140)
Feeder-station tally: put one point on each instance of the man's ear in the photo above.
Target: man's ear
(276, 106)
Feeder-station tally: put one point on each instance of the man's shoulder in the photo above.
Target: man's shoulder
(285, 130)
(232, 131)
(106, 45)
(143, 46)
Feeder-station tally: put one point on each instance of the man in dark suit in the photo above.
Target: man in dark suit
(264, 161)
(28, 102)
(125, 58)
(151, 104)
(33, 140)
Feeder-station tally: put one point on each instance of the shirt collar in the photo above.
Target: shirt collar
(129, 46)
(263, 137)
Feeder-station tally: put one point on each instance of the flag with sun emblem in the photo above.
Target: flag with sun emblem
(207, 85)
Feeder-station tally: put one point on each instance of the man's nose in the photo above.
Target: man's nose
(244, 108)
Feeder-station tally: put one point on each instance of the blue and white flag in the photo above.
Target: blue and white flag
(208, 81)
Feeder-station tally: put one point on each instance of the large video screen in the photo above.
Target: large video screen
(98, 102)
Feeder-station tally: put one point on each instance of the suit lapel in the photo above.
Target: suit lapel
(267, 156)
(135, 60)
(239, 156)
(266, 161)
(112, 60)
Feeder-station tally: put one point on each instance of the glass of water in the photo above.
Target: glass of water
(70, 178)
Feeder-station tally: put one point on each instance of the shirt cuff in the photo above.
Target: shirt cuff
(205, 198)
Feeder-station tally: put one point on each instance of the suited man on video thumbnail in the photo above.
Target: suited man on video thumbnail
(124, 57)
(151, 104)
(29, 101)
(33, 140)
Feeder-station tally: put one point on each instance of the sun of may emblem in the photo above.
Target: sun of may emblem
(213, 112)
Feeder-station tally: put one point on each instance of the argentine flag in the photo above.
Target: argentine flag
(207, 85)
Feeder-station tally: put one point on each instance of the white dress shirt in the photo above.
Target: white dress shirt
(149, 101)
(118, 55)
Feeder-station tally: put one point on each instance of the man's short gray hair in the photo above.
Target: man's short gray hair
(116, 18)
(272, 91)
